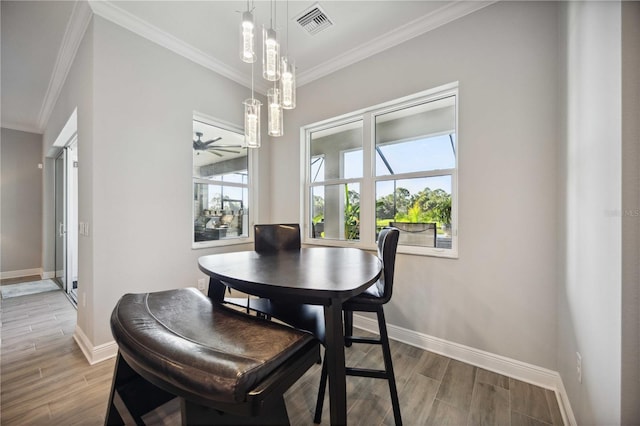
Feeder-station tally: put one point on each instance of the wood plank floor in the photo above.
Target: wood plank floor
(45, 380)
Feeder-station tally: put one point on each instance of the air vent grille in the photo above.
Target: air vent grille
(314, 20)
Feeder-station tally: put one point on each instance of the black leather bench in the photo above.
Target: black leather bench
(225, 366)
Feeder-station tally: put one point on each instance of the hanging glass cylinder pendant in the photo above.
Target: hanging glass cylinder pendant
(247, 43)
(270, 55)
(288, 83)
(275, 113)
(252, 123)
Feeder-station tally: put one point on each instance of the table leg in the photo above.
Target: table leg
(335, 359)
(216, 290)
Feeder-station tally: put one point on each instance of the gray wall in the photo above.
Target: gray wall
(76, 93)
(598, 291)
(135, 107)
(500, 295)
(21, 224)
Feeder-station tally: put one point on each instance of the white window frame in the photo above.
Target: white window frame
(369, 179)
(252, 164)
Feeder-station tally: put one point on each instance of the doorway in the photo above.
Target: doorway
(66, 213)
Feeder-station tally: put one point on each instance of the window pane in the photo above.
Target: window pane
(218, 154)
(352, 164)
(335, 211)
(418, 138)
(220, 212)
(420, 208)
(332, 144)
(317, 168)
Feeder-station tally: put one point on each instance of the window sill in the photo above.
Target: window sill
(402, 249)
(221, 243)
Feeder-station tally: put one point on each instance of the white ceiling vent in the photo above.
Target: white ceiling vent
(314, 20)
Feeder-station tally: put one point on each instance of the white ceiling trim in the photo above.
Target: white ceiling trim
(441, 16)
(21, 127)
(127, 20)
(76, 27)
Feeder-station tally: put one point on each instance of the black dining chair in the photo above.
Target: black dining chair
(268, 239)
(272, 238)
(371, 300)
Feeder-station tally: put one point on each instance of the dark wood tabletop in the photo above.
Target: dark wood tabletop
(320, 275)
(311, 275)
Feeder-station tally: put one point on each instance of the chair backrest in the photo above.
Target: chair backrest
(387, 247)
(272, 238)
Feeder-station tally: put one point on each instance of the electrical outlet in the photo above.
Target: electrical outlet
(579, 366)
(201, 283)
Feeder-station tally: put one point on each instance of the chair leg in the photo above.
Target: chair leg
(122, 372)
(388, 365)
(348, 327)
(317, 418)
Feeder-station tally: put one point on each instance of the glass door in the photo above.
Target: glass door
(72, 219)
(66, 213)
(60, 252)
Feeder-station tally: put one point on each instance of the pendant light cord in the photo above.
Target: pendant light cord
(271, 14)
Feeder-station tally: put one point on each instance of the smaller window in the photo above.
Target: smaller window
(220, 185)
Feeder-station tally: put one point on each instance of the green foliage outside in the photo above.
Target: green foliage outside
(351, 214)
(424, 207)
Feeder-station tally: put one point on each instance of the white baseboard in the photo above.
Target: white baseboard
(47, 275)
(20, 273)
(94, 354)
(563, 402)
(523, 371)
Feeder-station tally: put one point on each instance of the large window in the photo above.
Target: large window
(390, 165)
(221, 201)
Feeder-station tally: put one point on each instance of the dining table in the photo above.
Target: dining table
(314, 276)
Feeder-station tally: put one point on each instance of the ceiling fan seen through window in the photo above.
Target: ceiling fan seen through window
(199, 145)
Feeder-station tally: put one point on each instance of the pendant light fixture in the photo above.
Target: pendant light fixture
(247, 36)
(288, 75)
(280, 70)
(270, 50)
(252, 119)
(275, 114)
(288, 83)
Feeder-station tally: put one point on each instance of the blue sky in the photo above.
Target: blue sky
(433, 153)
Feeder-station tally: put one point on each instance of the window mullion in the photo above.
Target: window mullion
(412, 175)
(220, 183)
(367, 190)
(335, 182)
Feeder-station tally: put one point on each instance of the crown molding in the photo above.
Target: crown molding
(76, 27)
(84, 10)
(127, 20)
(21, 128)
(439, 17)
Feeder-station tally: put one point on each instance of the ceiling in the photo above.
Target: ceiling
(40, 38)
